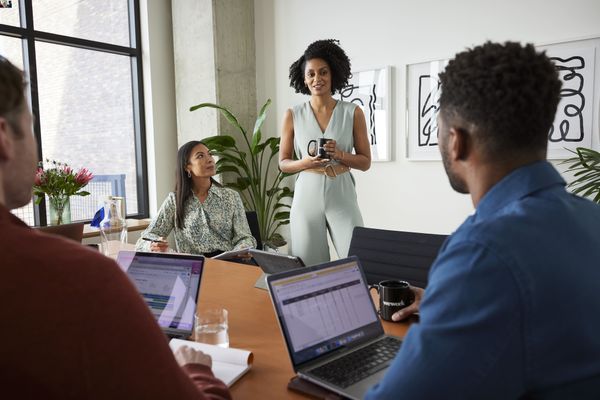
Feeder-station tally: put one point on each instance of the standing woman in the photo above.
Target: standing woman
(324, 195)
(207, 218)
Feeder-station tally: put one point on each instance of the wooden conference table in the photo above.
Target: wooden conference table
(253, 326)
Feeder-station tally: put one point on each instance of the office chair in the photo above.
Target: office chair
(388, 254)
(254, 228)
(102, 186)
(72, 231)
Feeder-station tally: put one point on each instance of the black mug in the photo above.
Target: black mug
(393, 296)
(321, 152)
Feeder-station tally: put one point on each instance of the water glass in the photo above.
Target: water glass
(210, 326)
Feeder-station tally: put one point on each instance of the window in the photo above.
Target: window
(83, 62)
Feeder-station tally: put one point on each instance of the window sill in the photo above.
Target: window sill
(132, 226)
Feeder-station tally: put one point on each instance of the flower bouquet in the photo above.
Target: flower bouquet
(59, 181)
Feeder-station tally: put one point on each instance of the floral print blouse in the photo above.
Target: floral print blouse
(217, 224)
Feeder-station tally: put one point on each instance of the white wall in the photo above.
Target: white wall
(403, 195)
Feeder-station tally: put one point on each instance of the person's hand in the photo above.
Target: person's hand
(187, 355)
(331, 148)
(244, 256)
(413, 308)
(160, 246)
(314, 162)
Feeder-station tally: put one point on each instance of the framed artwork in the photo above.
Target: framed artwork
(576, 118)
(371, 91)
(423, 94)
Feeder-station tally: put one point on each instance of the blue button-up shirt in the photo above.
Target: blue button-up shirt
(513, 301)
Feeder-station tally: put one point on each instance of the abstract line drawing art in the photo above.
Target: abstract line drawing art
(576, 120)
(429, 99)
(423, 97)
(370, 90)
(570, 128)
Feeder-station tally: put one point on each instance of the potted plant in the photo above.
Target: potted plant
(586, 168)
(261, 190)
(59, 182)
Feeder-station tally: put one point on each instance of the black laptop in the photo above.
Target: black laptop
(169, 283)
(273, 263)
(332, 331)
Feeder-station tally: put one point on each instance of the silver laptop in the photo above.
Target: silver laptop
(272, 263)
(169, 283)
(332, 331)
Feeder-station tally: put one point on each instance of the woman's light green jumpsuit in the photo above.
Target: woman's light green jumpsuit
(322, 203)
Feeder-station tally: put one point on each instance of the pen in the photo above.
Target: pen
(153, 240)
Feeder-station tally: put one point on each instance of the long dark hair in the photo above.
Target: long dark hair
(183, 183)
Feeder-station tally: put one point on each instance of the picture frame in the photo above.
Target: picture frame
(422, 102)
(576, 121)
(371, 91)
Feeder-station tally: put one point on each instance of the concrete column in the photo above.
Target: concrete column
(214, 62)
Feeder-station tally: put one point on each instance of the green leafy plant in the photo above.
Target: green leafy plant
(260, 189)
(586, 168)
(59, 179)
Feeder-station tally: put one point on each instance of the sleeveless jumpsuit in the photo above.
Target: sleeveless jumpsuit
(321, 203)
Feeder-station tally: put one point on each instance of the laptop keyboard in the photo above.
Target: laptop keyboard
(359, 364)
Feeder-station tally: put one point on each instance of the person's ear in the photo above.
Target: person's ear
(459, 144)
(6, 142)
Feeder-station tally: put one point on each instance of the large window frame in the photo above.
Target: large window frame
(28, 35)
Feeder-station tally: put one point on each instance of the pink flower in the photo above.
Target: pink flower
(67, 170)
(39, 177)
(83, 176)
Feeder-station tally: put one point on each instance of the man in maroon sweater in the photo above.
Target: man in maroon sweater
(73, 326)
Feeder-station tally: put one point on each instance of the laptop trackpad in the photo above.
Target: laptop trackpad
(359, 389)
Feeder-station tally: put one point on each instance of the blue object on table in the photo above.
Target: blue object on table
(98, 217)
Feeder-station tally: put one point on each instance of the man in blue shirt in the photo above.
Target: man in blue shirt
(512, 308)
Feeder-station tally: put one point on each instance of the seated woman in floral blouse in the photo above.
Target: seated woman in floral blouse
(206, 217)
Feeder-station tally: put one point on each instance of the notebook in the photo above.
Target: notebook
(228, 364)
(331, 329)
(169, 283)
(272, 263)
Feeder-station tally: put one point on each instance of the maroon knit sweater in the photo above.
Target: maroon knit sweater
(74, 327)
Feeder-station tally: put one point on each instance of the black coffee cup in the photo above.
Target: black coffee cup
(393, 296)
(321, 152)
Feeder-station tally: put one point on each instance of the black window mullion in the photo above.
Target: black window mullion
(30, 62)
(138, 107)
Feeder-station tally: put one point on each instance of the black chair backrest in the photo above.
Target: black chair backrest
(254, 228)
(395, 255)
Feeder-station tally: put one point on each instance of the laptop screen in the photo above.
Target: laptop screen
(323, 308)
(169, 283)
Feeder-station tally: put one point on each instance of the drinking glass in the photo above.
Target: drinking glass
(210, 325)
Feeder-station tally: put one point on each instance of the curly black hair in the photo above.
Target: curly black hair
(508, 91)
(330, 51)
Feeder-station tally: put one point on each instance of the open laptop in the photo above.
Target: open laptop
(273, 263)
(332, 331)
(169, 283)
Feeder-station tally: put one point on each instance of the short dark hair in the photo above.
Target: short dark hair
(12, 93)
(508, 91)
(330, 51)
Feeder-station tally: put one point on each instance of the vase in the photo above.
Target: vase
(113, 228)
(60, 210)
